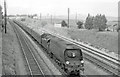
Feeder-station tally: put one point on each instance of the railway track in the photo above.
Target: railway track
(63, 74)
(32, 65)
(105, 62)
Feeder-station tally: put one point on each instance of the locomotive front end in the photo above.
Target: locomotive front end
(74, 61)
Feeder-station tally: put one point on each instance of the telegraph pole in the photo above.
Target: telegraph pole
(5, 15)
(76, 18)
(68, 16)
(51, 18)
(40, 16)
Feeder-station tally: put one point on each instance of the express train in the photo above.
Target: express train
(67, 55)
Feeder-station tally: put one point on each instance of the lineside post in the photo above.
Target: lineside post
(5, 15)
(68, 16)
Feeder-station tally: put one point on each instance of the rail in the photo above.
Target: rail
(32, 63)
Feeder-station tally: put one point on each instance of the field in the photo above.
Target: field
(108, 40)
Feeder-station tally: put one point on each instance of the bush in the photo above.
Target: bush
(64, 24)
(79, 23)
(23, 19)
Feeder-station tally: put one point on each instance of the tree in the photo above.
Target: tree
(99, 22)
(79, 23)
(118, 28)
(0, 8)
(89, 22)
(1, 11)
(64, 24)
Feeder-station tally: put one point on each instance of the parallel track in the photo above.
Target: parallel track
(32, 65)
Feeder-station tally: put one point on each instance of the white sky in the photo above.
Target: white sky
(59, 7)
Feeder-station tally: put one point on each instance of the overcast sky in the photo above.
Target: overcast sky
(59, 7)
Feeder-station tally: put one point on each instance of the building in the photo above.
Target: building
(112, 28)
(58, 25)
